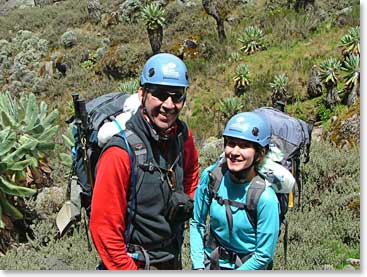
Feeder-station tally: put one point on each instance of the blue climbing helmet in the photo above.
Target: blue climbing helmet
(165, 69)
(248, 126)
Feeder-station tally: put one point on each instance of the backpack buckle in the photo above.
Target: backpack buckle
(171, 179)
(225, 254)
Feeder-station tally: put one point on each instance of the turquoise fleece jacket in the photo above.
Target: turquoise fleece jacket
(243, 239)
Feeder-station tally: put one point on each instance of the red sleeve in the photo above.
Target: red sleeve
(109, 205)
(191, 166)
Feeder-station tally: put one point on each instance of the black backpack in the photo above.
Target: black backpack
(88, 119)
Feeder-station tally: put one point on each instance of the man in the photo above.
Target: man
(142, 227)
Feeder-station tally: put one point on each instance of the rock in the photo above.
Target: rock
(314, 86)
(345, 11)
(232, 19)
(317, 133)
(50, 200)
(213, 143)
(345, 130)
(55, 263)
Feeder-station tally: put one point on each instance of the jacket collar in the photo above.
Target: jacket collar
(140, 122)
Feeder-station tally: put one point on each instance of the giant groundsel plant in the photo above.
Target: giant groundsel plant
(27, 132)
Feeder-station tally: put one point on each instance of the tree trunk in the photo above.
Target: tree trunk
(353, 94)
(279, 97)
(155, 39)
(239, 90)
(303, 4)
(220, 30)
(332, 97)
(211, 10)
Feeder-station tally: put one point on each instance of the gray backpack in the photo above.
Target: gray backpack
(293, 137)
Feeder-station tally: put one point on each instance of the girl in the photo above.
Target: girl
(237, 236)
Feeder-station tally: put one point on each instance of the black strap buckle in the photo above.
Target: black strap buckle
(224, 254)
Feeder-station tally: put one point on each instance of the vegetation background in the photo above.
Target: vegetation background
(49, 49)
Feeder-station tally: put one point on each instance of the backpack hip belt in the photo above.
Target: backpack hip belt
(224, 254)
(220, 252)
(131, 248)
(142, 251)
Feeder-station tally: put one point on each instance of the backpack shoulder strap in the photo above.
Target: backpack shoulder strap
(137, 146)
(139, 153)
(254, 192)
(215, 179)
(182, 137)
(184, 130)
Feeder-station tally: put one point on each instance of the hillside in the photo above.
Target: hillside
(50, 49)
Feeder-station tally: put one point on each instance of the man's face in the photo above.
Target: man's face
(162, 104)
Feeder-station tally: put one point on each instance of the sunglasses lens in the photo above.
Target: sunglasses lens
(177, 94)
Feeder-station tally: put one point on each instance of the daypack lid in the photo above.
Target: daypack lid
(105, 106)
(288, 133)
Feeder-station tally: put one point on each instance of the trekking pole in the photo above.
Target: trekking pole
(84, 140)
(75, 96)
(291, 194)
(285, 242)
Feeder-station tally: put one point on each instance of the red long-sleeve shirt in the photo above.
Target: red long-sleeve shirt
(109, 202)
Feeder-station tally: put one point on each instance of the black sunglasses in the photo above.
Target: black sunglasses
(177, 94)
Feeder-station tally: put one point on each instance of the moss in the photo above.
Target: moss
(337, 132)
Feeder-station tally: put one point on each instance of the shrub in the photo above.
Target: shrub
(350, 43)
(252, 40)
(130, 86)
(154, 18)
(352, 70)
(325, 230)
(26, 137)
(280, 89)
(242, 79)
(230, 106)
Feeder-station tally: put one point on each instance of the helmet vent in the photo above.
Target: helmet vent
(255, 131)
(151, 72)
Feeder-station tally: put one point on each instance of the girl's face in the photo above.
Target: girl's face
(240, 154)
